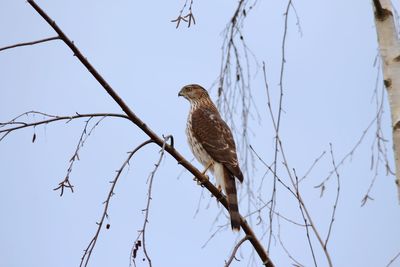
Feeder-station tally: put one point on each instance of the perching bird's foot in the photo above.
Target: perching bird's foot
(199, 182)
(220, 191)
(219, 187)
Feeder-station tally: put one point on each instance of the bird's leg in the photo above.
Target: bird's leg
(208, 166)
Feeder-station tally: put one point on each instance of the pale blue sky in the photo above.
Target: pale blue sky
(329, 83)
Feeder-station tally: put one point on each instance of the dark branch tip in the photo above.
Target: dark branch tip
(388, 83)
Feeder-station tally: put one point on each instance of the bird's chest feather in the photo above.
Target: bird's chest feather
(195, 145)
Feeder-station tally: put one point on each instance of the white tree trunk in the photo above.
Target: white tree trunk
(390, 52)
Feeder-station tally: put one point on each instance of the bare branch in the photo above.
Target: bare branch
(153, 136)
(348, 155)
(274, 173)
(304, 214)
(312, 166)
(279, 148)
(393, 260)
(235, 249)
(284, 247)
(277, 121)
(30, 43)
(142, 232)
(277, 214)
(89, 249)
(50, 119)
(66, 183)
(188, 18)
(234, 93)
(219, 229)
(379, 150)
(379, 142)
(337, 197)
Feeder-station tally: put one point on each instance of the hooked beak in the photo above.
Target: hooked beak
(180, 93)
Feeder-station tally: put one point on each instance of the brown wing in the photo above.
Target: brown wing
(216, 137)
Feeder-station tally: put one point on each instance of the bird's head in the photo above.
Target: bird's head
(193, 92)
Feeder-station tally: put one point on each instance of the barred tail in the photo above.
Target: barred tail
(231, 194)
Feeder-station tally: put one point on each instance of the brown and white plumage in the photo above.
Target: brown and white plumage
(211, 141)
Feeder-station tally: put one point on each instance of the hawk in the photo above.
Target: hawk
(212, 144)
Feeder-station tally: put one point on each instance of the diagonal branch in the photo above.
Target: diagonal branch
(153, 136)
(393, 259)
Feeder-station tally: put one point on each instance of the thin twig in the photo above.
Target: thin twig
(188, 18)
(393, 260)
(378, 146)
(89, 249)
(51, 118)
(304, 211)
(30, 43)
(219, 229)
(273, 171)
(235, 249)
(201, 197)
(142, 232)
(303, 214)
(284, 247)
(312, 166)
(381, 151)
(259, 210)
(336, 200)
(234, 92)
(379, 141)
(278, 118)
(276, 213)
(65, 183)
(348, 155)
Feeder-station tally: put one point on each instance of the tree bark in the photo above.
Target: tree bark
(389, 47)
